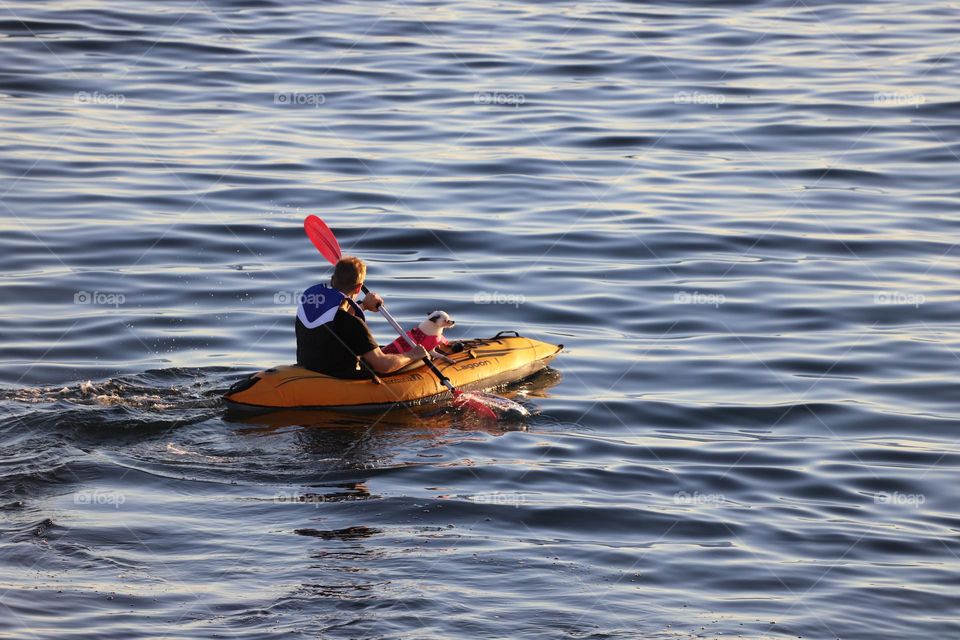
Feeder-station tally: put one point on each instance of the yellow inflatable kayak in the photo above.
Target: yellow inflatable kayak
(480, 364)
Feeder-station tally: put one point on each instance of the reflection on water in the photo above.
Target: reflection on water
(739, 217)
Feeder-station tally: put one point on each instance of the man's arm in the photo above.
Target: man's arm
(384, 363)
(381, 362)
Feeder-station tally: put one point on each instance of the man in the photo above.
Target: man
(332, 334)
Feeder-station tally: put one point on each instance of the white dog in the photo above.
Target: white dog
(429, 334)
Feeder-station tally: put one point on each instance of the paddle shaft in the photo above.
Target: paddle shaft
(403, 336)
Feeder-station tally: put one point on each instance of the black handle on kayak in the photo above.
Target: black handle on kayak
(403, 335)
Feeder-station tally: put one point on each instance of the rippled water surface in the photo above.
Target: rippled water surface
(739, 217)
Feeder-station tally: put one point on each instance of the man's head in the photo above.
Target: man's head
(348, 275)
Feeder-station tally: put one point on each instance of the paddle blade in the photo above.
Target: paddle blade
(489, 406)
(322, 238)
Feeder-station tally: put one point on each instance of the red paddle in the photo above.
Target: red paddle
(322, 238)
(326, 243)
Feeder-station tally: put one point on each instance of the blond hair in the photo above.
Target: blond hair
(349, 273)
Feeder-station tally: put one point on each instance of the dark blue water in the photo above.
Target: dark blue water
(740, 217)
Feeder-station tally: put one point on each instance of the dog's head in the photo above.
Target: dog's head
(436, 322)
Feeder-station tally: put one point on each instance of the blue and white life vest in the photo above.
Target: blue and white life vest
(319, 304)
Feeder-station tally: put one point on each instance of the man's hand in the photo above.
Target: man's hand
(418, 353)
(371, 302)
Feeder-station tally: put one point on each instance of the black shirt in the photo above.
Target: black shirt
(333, 348)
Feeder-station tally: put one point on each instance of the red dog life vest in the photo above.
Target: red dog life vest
(417, 336)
